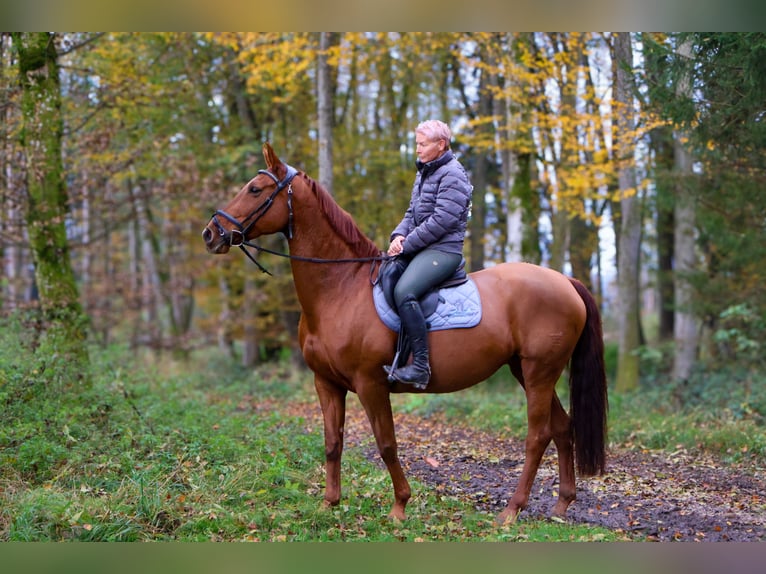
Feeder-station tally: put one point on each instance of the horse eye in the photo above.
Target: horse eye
(254, 190)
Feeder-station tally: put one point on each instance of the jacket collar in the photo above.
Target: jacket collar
(435, 164)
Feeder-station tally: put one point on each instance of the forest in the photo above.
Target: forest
(635, 162)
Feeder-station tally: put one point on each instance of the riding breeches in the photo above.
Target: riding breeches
(426, 270)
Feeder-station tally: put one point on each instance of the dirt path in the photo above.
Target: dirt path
(658, 496)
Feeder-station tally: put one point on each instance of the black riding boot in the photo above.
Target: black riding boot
(418, 372)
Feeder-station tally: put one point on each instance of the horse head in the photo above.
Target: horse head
(263, 206)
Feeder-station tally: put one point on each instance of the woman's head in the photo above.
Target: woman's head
(432, 139)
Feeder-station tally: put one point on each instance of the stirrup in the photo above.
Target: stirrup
(393, 376)
(390, 369)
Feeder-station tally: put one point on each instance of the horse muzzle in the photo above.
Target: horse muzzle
(216, 242)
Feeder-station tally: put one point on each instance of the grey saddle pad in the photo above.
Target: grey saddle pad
(458, 308)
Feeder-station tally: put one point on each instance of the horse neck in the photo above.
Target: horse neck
(322, 230)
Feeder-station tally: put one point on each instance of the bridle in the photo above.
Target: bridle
(237, 237)
(242, 229)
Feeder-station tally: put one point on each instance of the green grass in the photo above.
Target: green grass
(198, 450)
(722, 413)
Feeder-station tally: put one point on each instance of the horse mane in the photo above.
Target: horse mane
(342, 222)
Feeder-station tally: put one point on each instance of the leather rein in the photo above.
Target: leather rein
(237, 237)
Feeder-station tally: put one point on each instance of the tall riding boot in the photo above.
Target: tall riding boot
(418, 372)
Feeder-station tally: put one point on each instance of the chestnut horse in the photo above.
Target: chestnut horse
(536, 320)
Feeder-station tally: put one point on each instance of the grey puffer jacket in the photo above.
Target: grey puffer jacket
(438, 211)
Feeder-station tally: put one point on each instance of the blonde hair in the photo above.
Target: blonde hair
(435, 130)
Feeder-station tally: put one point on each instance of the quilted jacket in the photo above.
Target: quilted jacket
(439, 206)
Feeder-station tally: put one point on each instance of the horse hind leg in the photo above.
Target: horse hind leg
(562, 437)
(539, 436)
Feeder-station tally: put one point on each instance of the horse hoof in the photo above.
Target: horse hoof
(559, 512)
(329, 505)
(507, 516)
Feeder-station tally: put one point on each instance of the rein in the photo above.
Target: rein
(242, 230)
(383, 257)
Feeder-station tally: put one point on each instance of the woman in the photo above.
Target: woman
(430, 238)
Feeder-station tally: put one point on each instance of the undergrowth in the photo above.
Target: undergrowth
(721, 412)
(198, 450)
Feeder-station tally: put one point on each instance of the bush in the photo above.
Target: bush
(738, 337)
(43, 412)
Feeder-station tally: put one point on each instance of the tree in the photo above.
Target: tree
(160, 128)
(657, 64)
(684, 247)
(325, 111)
(46, 209)
(630, 220)
(720, 108)
(17, 287)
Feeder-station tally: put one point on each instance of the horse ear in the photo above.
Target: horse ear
(272, 161)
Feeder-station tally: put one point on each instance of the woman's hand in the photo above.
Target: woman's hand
(396, 245)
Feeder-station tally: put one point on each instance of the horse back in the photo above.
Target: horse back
(538, 304)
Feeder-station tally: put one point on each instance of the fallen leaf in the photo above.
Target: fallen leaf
(432, 461)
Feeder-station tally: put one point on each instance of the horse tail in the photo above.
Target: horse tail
(588, 392)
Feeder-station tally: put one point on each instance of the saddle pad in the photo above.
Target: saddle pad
(459, 308)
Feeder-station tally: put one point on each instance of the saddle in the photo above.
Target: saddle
(434, 299)
(390, 272)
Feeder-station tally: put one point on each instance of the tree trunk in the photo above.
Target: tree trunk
(480, 179)
(661, 141)
(564, 156)
(248, 312)
(66, 329)
(250, 336)
(325, 112)
(665, 152)
(582, 245)
(560, 238)
(150, 331)
(630, 223)
(526, 186)
(225, 318)
(527, 193)
(512, 190)
(686, 334)
(12, 252)
(516, 185)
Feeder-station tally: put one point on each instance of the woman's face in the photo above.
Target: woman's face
(428, 150)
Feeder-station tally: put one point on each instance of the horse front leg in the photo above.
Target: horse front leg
(333, 401)
(377, 404)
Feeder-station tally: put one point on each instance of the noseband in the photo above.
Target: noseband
(238, 236)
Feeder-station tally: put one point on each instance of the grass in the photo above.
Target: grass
(722, 412)
(201, 450)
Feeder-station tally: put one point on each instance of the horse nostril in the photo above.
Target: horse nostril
(207, 235)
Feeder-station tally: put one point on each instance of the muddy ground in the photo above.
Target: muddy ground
(646, 495)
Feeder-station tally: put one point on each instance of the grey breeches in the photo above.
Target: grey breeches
(427, 269)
